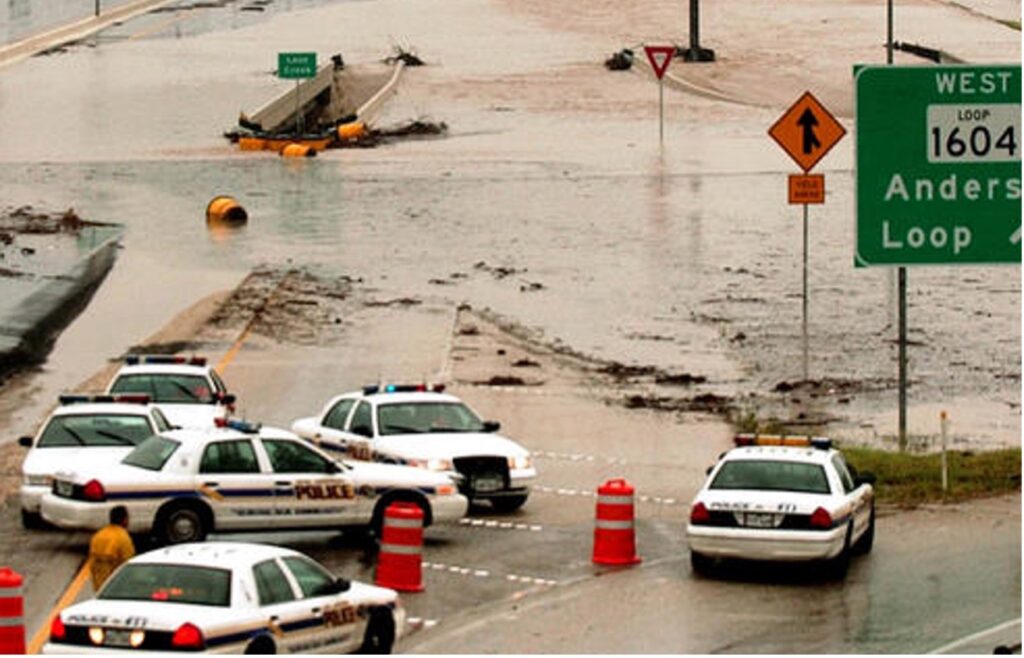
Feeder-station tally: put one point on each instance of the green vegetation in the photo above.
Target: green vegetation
(1015, 25)
(908, 479)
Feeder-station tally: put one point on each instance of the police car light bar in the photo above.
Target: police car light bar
(239, 425)
(402, 388)
(819, 442)
(136, 398)
(136, 359)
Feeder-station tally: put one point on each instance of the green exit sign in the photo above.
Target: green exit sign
(938, 165)
(296, 65)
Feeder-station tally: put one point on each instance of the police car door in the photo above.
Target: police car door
(310, 490)
(360, 432)
(281, 608)
(331, 435)
(857, 496)
(230, 479)
(341, 628)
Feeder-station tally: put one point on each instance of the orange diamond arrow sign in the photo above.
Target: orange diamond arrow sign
(807, 131)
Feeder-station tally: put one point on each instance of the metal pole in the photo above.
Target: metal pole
(901, 292)
(661, 111)
(97, 7)
(695, 25)
(944, 423)
(806, 358)
(298, 115)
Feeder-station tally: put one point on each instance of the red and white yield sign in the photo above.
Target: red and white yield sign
(660, 57)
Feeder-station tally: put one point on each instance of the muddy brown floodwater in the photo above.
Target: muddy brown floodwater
(548, 201)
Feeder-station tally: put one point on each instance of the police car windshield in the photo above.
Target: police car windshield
(167, 388)
(765, 475)
(425, 417)
(94, 430)
(169, 583)
(152, 453)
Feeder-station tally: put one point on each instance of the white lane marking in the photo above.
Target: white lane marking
(483, 573)
(655, 500)
(500, 525)
(953, 646)
(576, 457)
(419, 623)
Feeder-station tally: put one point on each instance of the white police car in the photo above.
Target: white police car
(411, 424)
(785, 499)
(187, 390)
(84, 430)
(228, 598)
(182, 484)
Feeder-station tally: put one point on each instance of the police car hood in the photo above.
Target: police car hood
(391, 475)
(448, 445)
(48, 461)
(148, 615)
(745, 500)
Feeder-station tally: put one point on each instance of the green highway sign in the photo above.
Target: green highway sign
(938, 165)
(296, 65)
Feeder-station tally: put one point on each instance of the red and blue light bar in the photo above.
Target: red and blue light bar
(819, 442)
(165, 359)
(238, 425)
(402, 388)
(131, 398)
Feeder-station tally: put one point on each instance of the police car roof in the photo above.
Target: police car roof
(784, 453)
(221, 554)
(103, 408)
(162, 369)
(412, 396)
(198, 436)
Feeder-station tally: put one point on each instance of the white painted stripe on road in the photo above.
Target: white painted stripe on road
(576, 457)
(953, 646)
(654, 500)
(483, 573)
(499, 525)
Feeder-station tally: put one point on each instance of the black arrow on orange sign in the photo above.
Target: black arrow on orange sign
(809, 121)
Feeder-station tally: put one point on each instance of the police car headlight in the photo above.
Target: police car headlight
(520, 463)
(96, 635)
(37, 480)
(136, 638)
(432, 464)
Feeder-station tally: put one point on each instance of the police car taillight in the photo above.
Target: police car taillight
(188, 637)
(821, 519)
(94, 491)
(699, 514)
(57, 630)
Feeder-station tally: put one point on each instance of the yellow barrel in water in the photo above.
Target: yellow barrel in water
(224, 210)
(294, 150)
(353, 130)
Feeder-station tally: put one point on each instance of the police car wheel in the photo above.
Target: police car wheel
(867, 540)
(701, 563)
(840, 564)
(508, 503)
(182, 524)
(380, 632)
(262, 646)
(31, 520)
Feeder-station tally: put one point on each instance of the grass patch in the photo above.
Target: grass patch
(1014, 25)
(908, 479)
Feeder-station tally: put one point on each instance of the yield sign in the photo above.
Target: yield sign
(807, 131)
(660, 57)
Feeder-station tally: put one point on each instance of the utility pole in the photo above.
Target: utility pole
(695, 53)
(97, 7)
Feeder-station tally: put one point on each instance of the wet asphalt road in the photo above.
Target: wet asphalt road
(679, 225)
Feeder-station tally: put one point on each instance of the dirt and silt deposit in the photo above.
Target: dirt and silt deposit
(550, 201)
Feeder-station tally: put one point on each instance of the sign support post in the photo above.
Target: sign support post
(807, 131)
(296, 66)
(660, 57)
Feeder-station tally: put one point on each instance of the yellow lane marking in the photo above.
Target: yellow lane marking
(230, 355)
(181, 15)
(69, 596)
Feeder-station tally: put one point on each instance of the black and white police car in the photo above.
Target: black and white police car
(84, 430)
(182, 484)
(235, 598)
(187, 390)
(783, 499)
(424, 427)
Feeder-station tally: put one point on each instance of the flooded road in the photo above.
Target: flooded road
(550, 202)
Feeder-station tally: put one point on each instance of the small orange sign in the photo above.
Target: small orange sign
(807, 188)
(807, 131)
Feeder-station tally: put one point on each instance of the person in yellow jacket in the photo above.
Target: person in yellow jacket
(110, 547)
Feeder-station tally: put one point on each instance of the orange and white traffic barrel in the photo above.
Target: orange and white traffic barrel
(12, 612)
(400, 560)
(614, 531)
